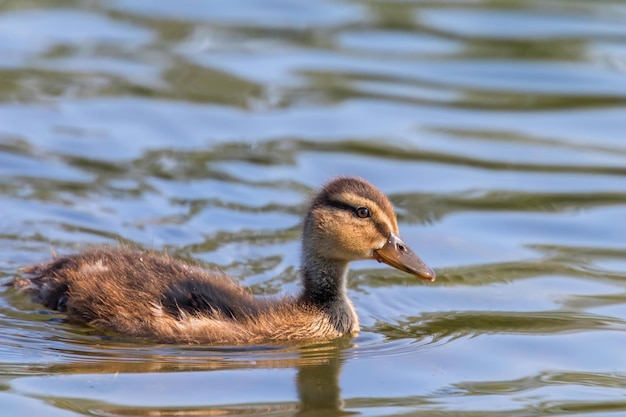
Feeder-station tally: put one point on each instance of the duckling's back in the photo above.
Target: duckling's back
(135, 292)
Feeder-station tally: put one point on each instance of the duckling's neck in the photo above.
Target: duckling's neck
(324, 283)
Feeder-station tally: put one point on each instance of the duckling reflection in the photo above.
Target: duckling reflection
(317, 379)
(150, 295)
(318, 388)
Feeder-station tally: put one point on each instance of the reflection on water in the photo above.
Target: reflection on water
(316, 378)
(495, 127)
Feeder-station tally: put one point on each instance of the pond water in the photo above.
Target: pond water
(497, 128)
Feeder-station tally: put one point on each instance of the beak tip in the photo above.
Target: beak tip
(429, 276)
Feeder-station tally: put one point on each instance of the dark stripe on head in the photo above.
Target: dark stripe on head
(340, 205)
(380, 227)
(357, 186)
(331, 196)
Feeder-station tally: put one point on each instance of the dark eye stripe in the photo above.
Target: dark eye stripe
(340, 205)
(381, 228)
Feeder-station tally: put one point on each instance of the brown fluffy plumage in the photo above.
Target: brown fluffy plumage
(150, 295)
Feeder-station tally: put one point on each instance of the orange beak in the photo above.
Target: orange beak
(397, 254)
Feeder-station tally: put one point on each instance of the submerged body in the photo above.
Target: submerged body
(150, 295)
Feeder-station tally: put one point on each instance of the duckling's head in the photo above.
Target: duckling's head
(350, 219)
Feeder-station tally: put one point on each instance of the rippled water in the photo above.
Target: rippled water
(497, 128)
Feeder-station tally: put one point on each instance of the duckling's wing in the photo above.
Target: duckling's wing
(215, 296)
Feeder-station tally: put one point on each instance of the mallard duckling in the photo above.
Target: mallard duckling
(149, 295)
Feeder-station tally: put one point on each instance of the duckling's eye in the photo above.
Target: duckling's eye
(363, 212)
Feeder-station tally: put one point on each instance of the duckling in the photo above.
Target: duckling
(148, 294)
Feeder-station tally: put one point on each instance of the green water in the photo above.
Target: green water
(497, 128)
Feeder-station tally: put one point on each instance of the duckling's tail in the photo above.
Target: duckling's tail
(45, 283)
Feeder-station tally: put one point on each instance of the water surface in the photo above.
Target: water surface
(202, 128)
